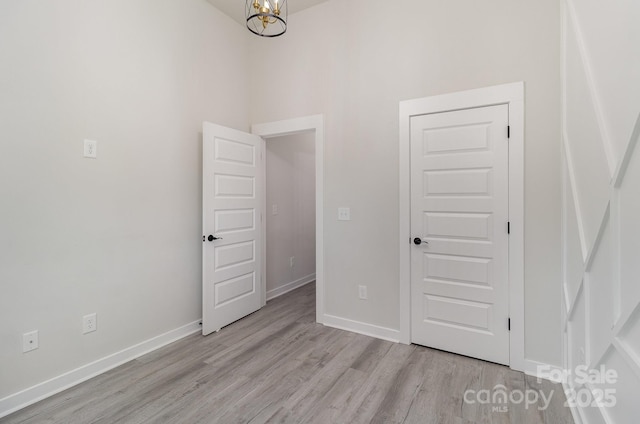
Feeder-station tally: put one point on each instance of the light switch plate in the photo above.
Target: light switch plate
(344, 214)
(90, 149)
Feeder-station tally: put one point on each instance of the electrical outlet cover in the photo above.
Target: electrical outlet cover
(89, 323)
(90, 149)
(30, 341)
(362, 292)
(344, 214)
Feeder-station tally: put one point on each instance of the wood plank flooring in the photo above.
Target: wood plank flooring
(278, 366)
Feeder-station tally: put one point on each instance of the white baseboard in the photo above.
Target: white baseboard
(362, 328)
(69, 379)
(286, 288)
(537, 369)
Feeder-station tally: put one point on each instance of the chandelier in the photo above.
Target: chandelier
(267, 18)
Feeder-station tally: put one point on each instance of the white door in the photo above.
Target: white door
(459, 214)
(231, 254)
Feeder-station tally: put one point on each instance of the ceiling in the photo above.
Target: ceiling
(235, 8)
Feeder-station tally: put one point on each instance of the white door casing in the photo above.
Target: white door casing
(459, 215)
(314, 123)
(512, 95)
(232, 227)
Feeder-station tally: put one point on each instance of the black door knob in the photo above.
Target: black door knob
(211, 238)
(417, 241)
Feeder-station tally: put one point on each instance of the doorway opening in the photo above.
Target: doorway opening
(313, 126)
(233, 220)
(290, 213)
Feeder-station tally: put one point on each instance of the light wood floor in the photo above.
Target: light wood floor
(279, 366)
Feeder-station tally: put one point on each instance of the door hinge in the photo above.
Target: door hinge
(508, 131)
(508, 227)
(509, 324)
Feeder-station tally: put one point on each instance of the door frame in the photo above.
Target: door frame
(513, 96)
(314, 123)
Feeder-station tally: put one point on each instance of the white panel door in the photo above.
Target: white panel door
(232, 195)
(459, 214)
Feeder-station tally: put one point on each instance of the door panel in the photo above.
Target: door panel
(468, 182)
(232, 284)
(458, 225)
(459, 207)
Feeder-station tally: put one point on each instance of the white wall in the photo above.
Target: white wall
(601, 206)
(290, 231)
(119, 235)
(354, 61)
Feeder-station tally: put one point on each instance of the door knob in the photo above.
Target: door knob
(418, 241)
(212, 238)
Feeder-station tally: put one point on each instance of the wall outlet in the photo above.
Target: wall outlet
(90, 149)
(362, 292)
(30, 341)
(292, 261)
(89, 323)
(274, 209)
(344, 214)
